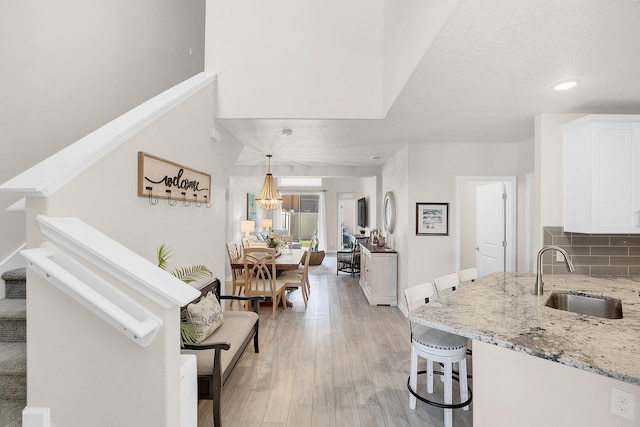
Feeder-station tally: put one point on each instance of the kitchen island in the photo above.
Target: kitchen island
(540, 364)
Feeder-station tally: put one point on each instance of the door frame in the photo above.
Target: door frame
(510, 185)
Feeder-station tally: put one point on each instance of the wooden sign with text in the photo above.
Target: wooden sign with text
(165, 179)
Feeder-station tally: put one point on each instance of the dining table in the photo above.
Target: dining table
(286, 259)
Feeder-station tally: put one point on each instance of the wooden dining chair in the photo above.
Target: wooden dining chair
(299, 278)
(349, 261)
(238, 275)
(260, 263)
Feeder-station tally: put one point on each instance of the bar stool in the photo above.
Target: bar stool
(446, 283)
(449, 283)
(437, 346)
(468, 275)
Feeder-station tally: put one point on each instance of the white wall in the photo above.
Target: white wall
(396, 177)
(67, 68)
(305, 59)
(295, 59)
(410, 26)
(433, 169)
(526, 165)
(97, 367)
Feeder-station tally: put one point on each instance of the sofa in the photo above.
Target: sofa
(256, 239)
(219, 352)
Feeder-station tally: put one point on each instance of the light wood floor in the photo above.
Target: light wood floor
(340, 362)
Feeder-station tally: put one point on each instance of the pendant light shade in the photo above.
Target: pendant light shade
(269, 199)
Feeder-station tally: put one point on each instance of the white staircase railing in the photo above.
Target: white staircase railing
(95, 293)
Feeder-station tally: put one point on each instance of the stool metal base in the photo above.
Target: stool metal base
(440, 404)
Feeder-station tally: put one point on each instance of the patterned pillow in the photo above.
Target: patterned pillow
(205, 315)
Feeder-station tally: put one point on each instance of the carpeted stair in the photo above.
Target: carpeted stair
(13, 348)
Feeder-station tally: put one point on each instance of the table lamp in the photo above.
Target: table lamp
(266, 223)
(247, 227)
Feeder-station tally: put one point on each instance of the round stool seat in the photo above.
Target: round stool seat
(437, 339)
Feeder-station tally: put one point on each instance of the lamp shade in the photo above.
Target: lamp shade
(269, 199)
(247, 226)
(267, 222)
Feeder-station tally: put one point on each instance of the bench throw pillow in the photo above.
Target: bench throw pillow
(205, 315)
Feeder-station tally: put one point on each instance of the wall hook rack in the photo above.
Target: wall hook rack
(207, 202)
(198, 204)
(152, 201)
(171, 202)
(184, 200)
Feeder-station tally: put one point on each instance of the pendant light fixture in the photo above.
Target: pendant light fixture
(269, 199)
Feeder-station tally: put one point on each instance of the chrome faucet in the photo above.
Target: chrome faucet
(539, 286)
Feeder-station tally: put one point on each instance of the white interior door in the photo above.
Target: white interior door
(490, 228)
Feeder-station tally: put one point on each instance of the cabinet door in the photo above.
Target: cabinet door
(383, 277)
(615, 178)
(365, 259)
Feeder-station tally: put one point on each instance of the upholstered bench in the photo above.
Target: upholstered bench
(219, 352)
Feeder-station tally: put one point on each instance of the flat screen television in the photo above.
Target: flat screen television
(362, 212)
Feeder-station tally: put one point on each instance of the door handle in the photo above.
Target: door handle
(477, 249)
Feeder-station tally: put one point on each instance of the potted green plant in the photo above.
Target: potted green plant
(273, 243)
(362, 231)
(187, 275)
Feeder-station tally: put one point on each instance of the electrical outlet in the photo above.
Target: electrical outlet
(623, 404)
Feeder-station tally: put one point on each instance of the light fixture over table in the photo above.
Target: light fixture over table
(269, 199)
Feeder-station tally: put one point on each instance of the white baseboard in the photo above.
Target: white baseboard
(36, 417)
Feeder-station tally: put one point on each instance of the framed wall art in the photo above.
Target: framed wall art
(163, 179)
(432, 219)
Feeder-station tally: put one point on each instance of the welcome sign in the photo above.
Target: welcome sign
(164, 179)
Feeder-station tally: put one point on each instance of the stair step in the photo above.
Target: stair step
(13, 320)
(11, 412)
(13, 370)
(15, 283)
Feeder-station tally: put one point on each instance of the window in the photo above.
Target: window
(299, 182)
(300, 214)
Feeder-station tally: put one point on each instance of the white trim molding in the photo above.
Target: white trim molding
(51, 174)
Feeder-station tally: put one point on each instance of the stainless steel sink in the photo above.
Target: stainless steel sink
(586, 304)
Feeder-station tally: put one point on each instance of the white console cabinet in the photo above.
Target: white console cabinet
(379, 275)
(602, 174)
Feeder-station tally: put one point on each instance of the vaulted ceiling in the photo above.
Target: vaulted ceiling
(487, 73)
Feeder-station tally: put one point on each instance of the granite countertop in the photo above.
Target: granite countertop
(501, 309)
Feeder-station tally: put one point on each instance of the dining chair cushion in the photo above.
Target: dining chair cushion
(435, 338)
(262, 285)
(238, 325)
(206, 316)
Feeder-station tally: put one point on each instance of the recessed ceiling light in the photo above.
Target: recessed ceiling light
(565, 85)
(375, 157)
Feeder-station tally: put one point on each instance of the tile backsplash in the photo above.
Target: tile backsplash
(593, 254)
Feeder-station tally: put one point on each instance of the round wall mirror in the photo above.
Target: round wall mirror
(389, 212)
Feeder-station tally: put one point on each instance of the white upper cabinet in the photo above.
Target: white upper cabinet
(602, 174)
